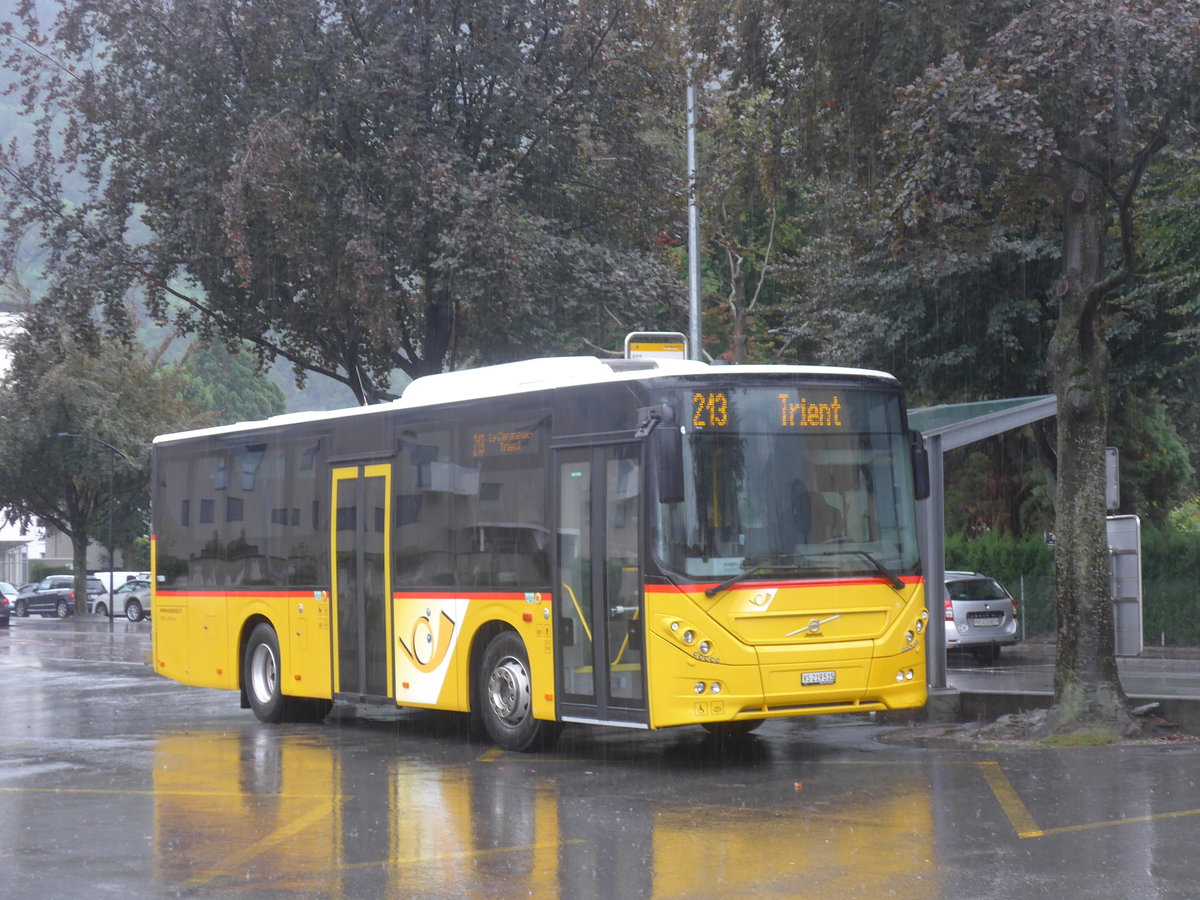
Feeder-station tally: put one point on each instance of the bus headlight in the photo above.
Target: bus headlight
(699, 689)
(705, 646)
(689, 636)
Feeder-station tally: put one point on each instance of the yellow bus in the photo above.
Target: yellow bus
(635, 542)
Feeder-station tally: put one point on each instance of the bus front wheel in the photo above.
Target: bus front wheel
(506, 697)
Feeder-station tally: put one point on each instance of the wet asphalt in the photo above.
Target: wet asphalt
(115, 782)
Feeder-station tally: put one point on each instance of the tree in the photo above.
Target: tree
(353, 187)
(228, 385)
(111, 395)
(1062, 114)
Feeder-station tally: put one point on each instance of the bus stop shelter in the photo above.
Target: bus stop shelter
(948, 427)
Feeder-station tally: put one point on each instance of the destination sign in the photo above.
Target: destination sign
(501, 443)
(767, 410)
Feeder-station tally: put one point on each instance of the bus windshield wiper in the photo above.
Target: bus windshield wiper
(753, 567)
(883, 570)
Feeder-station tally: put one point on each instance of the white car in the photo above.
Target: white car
(121, 600)
(981, 616)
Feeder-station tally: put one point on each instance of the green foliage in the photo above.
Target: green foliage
(228, 384)
(1006, 559)
(355, 187)
(114, 398)
(1156, 472)
(39, 570)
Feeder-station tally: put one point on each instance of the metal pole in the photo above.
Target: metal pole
(695, 350)
(112, 588)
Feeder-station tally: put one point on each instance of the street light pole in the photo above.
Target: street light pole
(112, 464)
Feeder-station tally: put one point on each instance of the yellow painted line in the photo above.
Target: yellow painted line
(459, 854)
(117, 792)
(1014, 808)
(1133, 821)
(492, 755)
(237, 861)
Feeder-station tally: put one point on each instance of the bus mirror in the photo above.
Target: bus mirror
(920, 466)
(668, 452)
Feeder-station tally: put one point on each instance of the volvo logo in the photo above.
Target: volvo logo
(813, 627)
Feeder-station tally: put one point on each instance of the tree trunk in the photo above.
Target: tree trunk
(79, 548)
(1087, 689)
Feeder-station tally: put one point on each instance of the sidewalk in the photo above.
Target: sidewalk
(1023, 678)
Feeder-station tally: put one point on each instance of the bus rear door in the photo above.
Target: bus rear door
(361, 582)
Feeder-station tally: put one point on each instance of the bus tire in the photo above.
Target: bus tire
(506, 697)
(732, 730)
(260, 674)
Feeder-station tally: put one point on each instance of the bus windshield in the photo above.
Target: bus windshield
(803, 479)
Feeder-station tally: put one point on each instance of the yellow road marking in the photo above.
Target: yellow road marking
(492, 755)
(1138, 820)
(278, 836)
(459, 854)
(1014, 808)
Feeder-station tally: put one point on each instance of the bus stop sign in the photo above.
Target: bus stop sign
(655, 345)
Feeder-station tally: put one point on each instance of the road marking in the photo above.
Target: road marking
(1020, 817)
(458, 854)
(492, 755)
(235, 862)
(1133, 821)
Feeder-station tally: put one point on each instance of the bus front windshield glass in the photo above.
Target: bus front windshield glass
(810, 480)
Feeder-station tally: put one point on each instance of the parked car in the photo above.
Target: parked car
(981, 616)
(8, 594)
(54, 595)
(137, 604)
(120, 598)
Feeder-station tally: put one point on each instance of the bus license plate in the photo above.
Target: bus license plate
(818, 677)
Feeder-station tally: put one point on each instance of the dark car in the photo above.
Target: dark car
(8, 594)
(54, 595)
(981, 616)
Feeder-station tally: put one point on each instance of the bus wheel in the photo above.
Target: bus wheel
(736, 729)
(506, 697)
(260, 674)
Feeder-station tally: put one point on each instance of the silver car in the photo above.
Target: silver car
(981, 616)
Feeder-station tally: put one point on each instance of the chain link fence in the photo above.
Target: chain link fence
(1170, 610)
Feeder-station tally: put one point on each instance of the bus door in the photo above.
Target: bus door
(361, 610)
(600, 646)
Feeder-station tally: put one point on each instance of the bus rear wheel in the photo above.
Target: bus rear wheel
(506, 697)
(260, 677)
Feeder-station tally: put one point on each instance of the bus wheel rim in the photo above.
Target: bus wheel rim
(264, 674)
(509, 691)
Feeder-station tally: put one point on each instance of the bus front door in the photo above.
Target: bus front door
(361, 582)
(600, 646)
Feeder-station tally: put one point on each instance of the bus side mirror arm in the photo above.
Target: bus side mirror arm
(920, 465)
(657, 423)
